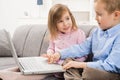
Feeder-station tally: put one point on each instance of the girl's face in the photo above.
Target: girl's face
(104, 19)
(64, 25)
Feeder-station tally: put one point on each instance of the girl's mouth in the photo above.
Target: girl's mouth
(66, 28)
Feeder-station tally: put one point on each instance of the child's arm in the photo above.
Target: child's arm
(54, 58)
(81, 36)
(51, 47)
(50, 51)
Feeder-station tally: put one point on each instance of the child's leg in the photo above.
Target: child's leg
(14, 74)
(72, 73)
(94, 74)
(13, 69)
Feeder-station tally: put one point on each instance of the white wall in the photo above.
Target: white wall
(18, 12)
(14, 13)
(8, 13)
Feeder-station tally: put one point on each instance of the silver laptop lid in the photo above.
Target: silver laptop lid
(13, 51)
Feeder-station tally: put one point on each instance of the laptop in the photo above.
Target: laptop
(33, 65)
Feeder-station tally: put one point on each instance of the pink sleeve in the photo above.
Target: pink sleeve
(81, 36)
(51, 47)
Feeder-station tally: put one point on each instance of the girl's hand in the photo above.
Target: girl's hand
(47, 55)
(75, 64)
(44, 55)
(50, 57)
(54, 58)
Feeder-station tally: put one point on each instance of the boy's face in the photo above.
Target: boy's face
(104, 19)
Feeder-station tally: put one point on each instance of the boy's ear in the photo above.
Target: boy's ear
(117, 14)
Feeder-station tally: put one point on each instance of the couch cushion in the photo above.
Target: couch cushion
(19, 38)
(34, 40)
(28, 39)
(4, 44)
(45, 43)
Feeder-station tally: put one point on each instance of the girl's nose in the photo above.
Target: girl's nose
(65, 23)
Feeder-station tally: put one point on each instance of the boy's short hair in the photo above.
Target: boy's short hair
(111, 5)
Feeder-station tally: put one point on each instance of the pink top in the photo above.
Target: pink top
(66, 40)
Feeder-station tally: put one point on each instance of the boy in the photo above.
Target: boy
(104, 43)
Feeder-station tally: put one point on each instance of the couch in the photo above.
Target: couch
(31, 40)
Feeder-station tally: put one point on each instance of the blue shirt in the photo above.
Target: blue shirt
(105, 46)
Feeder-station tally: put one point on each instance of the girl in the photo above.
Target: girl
(63, 31)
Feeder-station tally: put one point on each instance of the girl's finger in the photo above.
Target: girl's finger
(44, 55)
(51, 59)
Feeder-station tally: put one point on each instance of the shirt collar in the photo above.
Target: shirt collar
(60, 33)
(110, 32)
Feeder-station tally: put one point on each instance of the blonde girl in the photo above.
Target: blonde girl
(63, 30)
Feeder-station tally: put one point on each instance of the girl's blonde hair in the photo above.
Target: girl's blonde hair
(54, 15)
(111, 5)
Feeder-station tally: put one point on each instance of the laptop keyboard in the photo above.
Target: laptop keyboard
(31, 63)
(38, 64)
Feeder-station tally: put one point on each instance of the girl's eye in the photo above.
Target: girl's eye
(67, 18)
(59, 21)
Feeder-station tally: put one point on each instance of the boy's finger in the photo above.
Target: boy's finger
(67, 66)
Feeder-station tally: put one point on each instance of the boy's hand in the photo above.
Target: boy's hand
(54, 58)
(75, 64)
